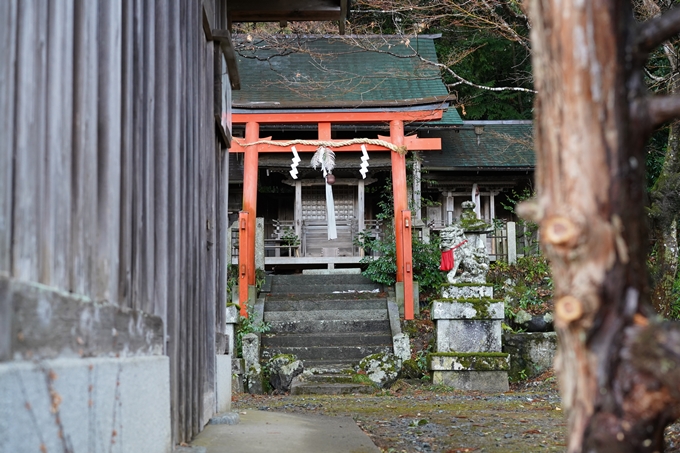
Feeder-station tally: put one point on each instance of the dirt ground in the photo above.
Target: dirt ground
(412, 417)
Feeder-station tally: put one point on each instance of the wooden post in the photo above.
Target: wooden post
(512, 243)
(401, 205)
(324, 131)
(298, 209)
(243, 253)
(417, 187)
(361, 206)
(250, 197)
(407, 223)
(398, 191)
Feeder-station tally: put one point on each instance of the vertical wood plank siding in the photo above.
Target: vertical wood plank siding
(112, 178)
(8, 35)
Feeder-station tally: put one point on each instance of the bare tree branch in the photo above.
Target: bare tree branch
(661, 109)
(653, 77)
(462, 80)
(372, 47)
(654, 32)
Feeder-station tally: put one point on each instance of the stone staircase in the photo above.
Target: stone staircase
(330, 322)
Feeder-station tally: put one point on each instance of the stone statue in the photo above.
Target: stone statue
(463, 247)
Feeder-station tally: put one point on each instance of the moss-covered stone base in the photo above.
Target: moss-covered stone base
(480, 381)
(475, 361)
(531, 353)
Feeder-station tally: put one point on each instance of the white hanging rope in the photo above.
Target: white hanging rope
(332, 144)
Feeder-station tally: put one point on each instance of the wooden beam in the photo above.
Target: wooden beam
(225, 138)
(337, 117)
(227, 48)
(208, 17)
(320, 182)
(412, 142)
(285, 10)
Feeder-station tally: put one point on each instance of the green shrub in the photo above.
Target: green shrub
(245, 326)
(530, 287)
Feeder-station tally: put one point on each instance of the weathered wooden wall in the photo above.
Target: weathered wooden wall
(112, 178)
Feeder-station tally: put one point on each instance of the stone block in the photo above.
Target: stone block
(462, 335)
(251, 358)
(382, 369)
(470, 291)
(348, 271)
(259, 243)
(532, 323)
(401, 346)
(223, 382)
(237, 373)
(479, 309)
(479, 381)
(531, 353)
(226, 418)
(399, 297)
(254, 379)
(232, 314)
(283, 368)
(98, 402)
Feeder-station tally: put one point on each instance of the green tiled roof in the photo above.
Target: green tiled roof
(332, 70)
(449, 118)
(501, 145)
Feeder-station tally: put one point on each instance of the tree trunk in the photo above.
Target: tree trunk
(591, 123)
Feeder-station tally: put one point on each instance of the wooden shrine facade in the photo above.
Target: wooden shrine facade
(397, 142)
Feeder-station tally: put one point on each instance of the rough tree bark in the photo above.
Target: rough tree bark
(619, 369)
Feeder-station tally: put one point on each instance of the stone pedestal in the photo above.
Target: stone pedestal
(468, 319)
(484, 372)
(469, 341)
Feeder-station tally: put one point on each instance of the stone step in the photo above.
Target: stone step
(324, 288)
(342, 279)
(338, 353)
(322, 284)
(330, 378)
(320, 388)
(321, 296)
(335, 325)
(330, 366)
(323, 304)
(325, 315)
(327, 339)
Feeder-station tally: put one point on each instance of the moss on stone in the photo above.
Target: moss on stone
(358, 378)
(411, 369)
(469, 300)
(465, 285)
(289, 357)
(478, 361)
(468, 354)
(481, 305)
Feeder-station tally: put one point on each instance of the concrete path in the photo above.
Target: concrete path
(268, 432)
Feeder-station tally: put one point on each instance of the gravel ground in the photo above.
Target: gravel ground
(418, 418)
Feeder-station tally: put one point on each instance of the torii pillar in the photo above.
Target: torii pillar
(402, 218)
(247, 219)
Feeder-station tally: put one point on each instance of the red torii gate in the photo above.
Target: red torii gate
(251, 148)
